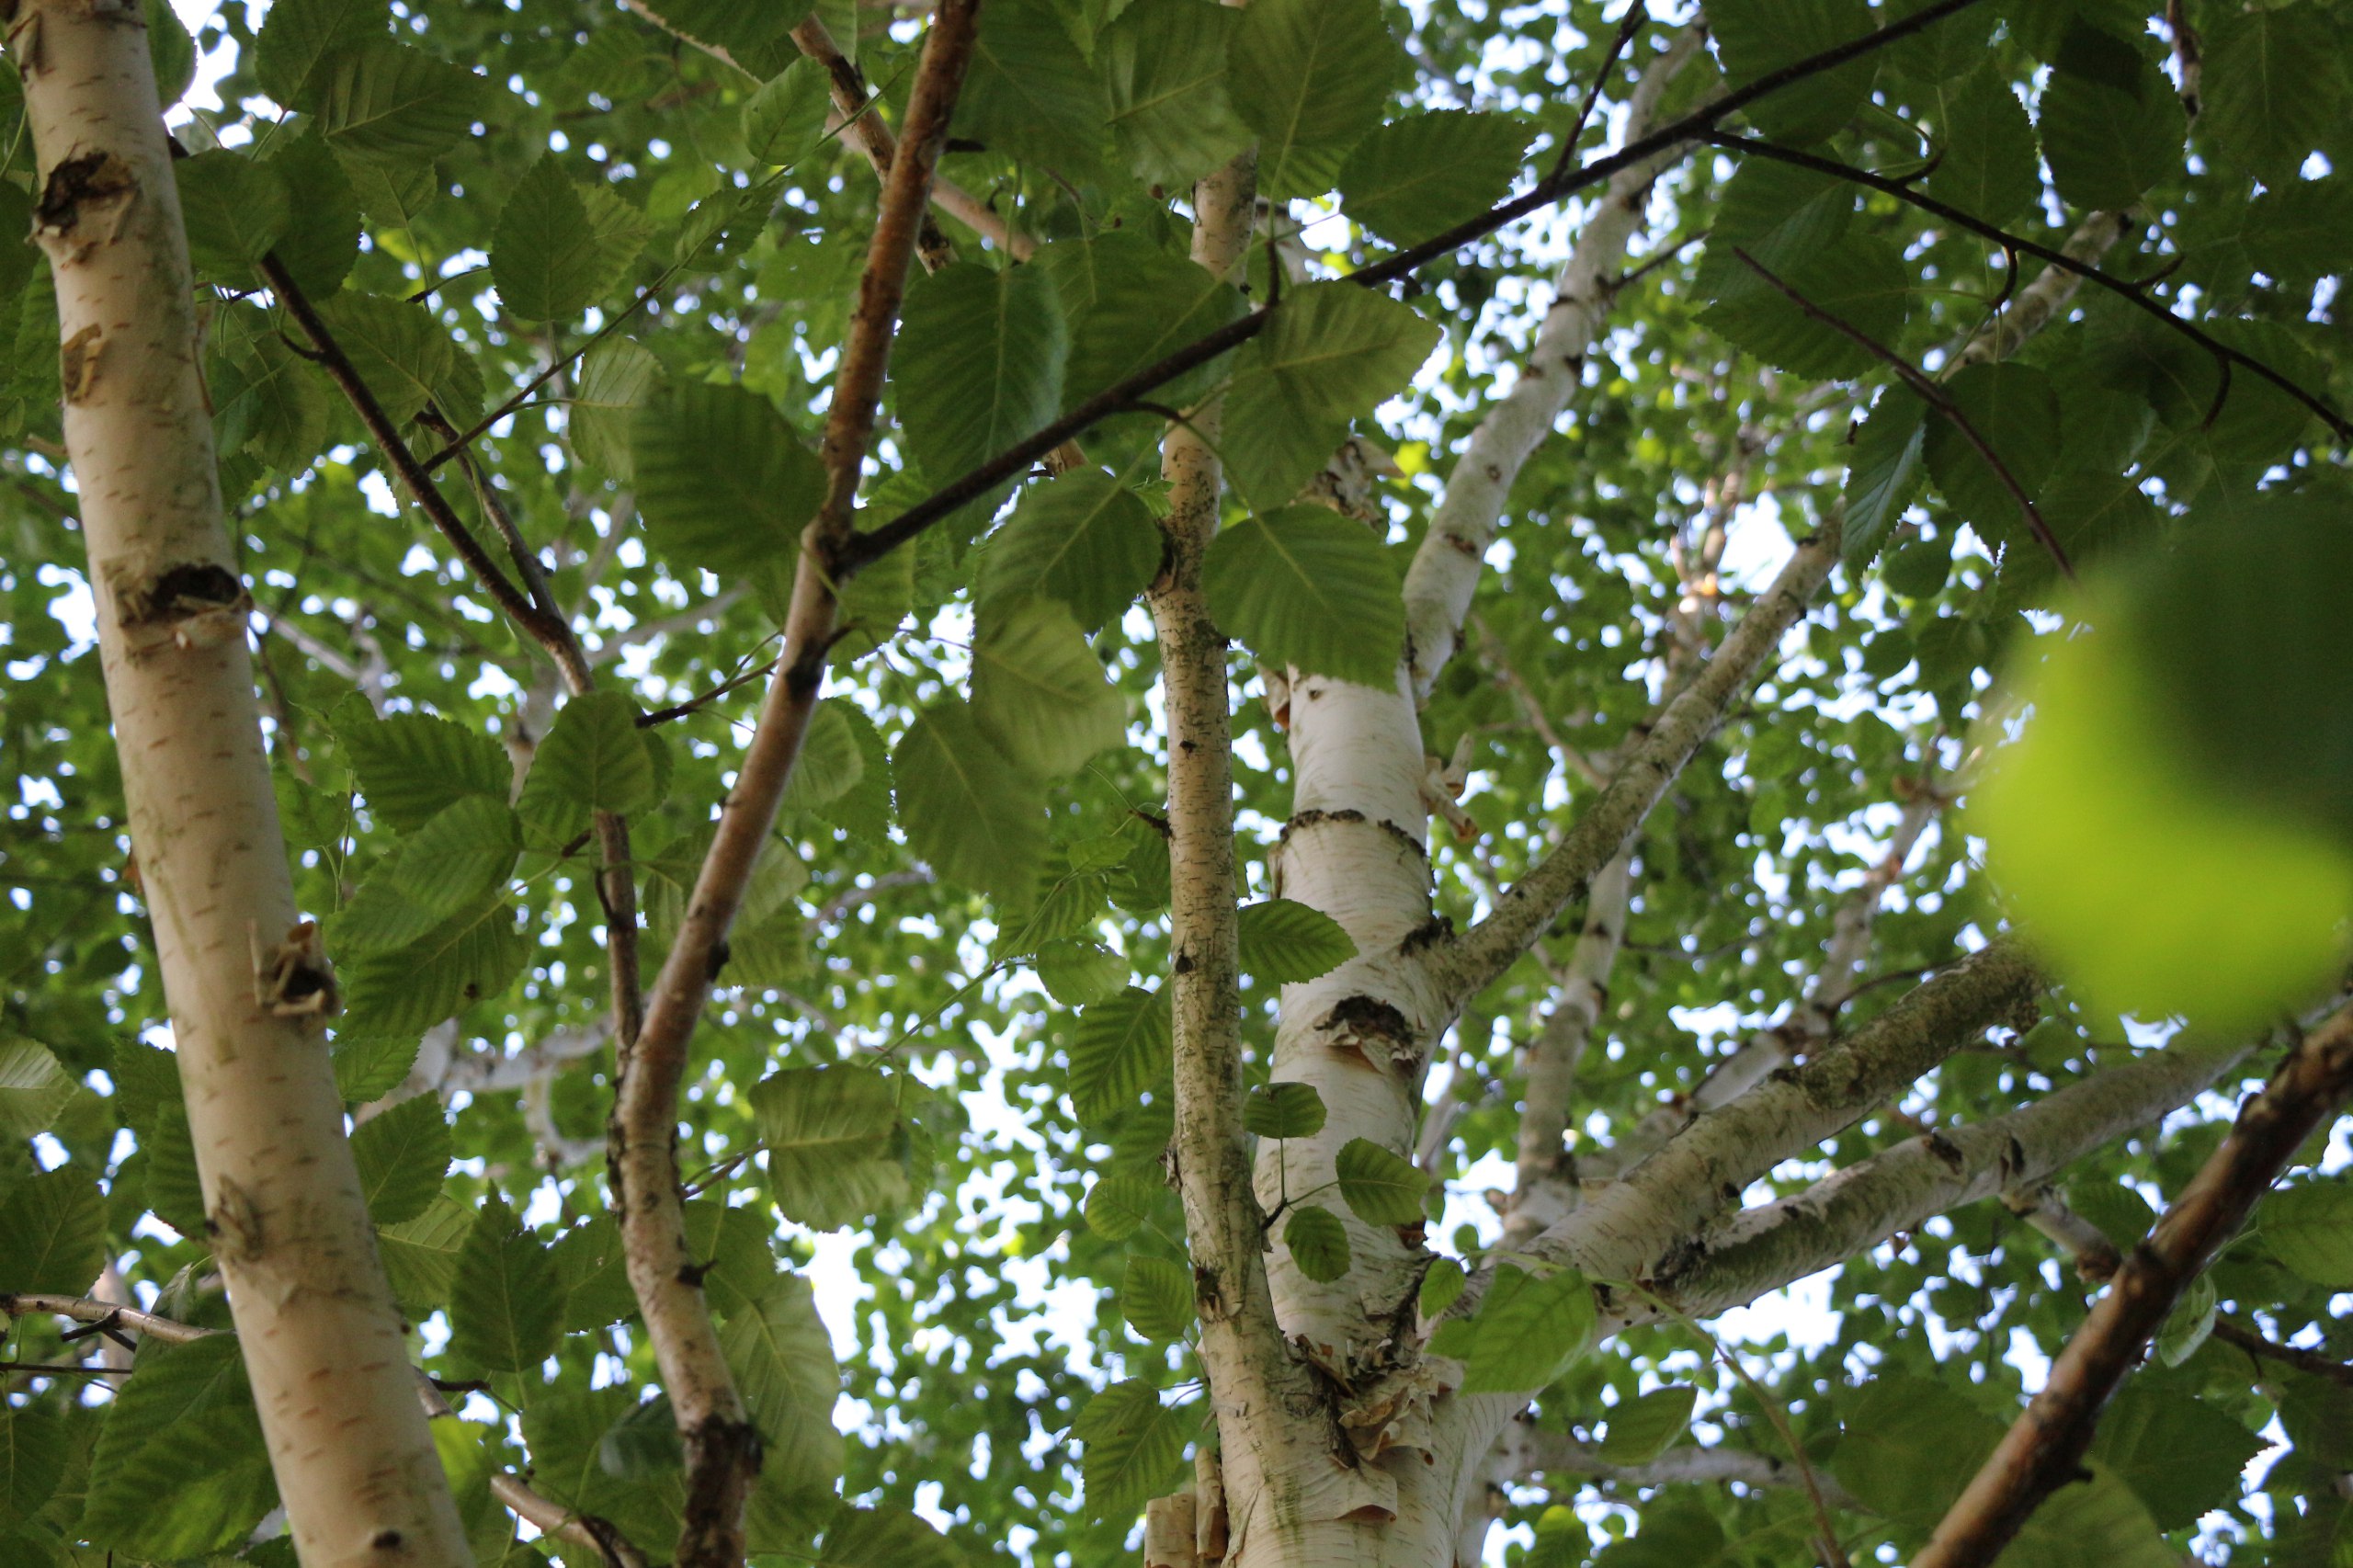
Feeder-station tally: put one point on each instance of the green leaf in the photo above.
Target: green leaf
(1130, 306)
(1312, 77)
(2012, 407)
(1283, 1111)
(1038, 689)
(1030, 94)
(558, 249)
(299, 37)
(1986, 152)
(1381, 1187)
(1156, 1298)
(1861, 281)
(2309, 1228)
(830, 1133)
(394, 102)
(1164, 65)
(566, 1430)
(1441, 1286)
(830, 764)
(403, 355)
(402, 1155)
(33, 1445)
(1757, 37)
(1332, 353)
(722, 481)
(966, 809)
(1086, 539)
(596, 757)
(33, 1087)
(2190, 1323)
(460, 856)
(53, 1234)
(171, 52)
(505, 1308)
(1284, 941)
(265, 401)
(405, 991)
(614, 381)
(180, 1468)
(421, 1257)
(318, 249)
(2272, 87)
(1131, 1446)
(1646, 1427)
(2111, 124)
(1310, 588)
(783, 120)
(411, 767)
(1117, 1205)
(1527, 1331)
(2180, 1456)
(1910, 1446)
(1118, 1049)
(1883, 474)
(1778, 213)
(1422, 174)
(1079, 974)
(235, 209)
(883, 1538)
(978, 363)
(783, 1362)
(1318, 1243)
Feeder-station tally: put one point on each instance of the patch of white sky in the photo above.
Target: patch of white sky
(1051, 1310)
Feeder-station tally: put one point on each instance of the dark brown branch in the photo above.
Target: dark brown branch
(535, 611)
(2136, 294)
(1628, 26)
(415, 478)
(1923, 387)
(1012, 461)
(2305, 1361)
(722, 1446)
(2044, 1448)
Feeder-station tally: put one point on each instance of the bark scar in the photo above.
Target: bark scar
(77, 363)
(294, 980)
(79, 191)
(194, 604)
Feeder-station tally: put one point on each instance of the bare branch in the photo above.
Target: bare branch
(1534, 1451)
(2309, 1362)
(2044, 1448)
(1469, 963)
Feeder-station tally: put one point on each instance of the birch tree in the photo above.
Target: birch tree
(1270, 784)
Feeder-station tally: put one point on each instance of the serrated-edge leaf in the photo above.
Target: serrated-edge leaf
(1287, 942)
(1642, 1428)
(1117, 1205)
(783, 1362)
(1307, 587)
(1156, 1298)
(1283, 1111)
(403, 1155)
(1086, 541)
(968, 811)
(828, 1132)
(1129, 1444)
(1118, 1049)
(1318, 1243)
(33, 1086)
(505, 1303)
(1038, 689)
(1379, 1186)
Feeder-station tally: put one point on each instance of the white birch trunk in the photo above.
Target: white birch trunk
(247, 988)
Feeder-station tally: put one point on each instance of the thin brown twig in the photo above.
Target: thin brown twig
(2044, 1448)
(1120, 397)
(2136, 294)
(2306, 1361)
(1926, 388)
(1628, 26)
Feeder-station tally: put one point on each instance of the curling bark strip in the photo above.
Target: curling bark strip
(248, 988)
(722, 1446)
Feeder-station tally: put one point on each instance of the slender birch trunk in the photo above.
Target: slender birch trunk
(246, 983)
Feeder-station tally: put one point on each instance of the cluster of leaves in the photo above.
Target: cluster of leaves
(968, 875)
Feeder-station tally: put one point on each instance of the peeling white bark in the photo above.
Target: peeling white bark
(247, 986)
(1858, 1208)
(1446, 568)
